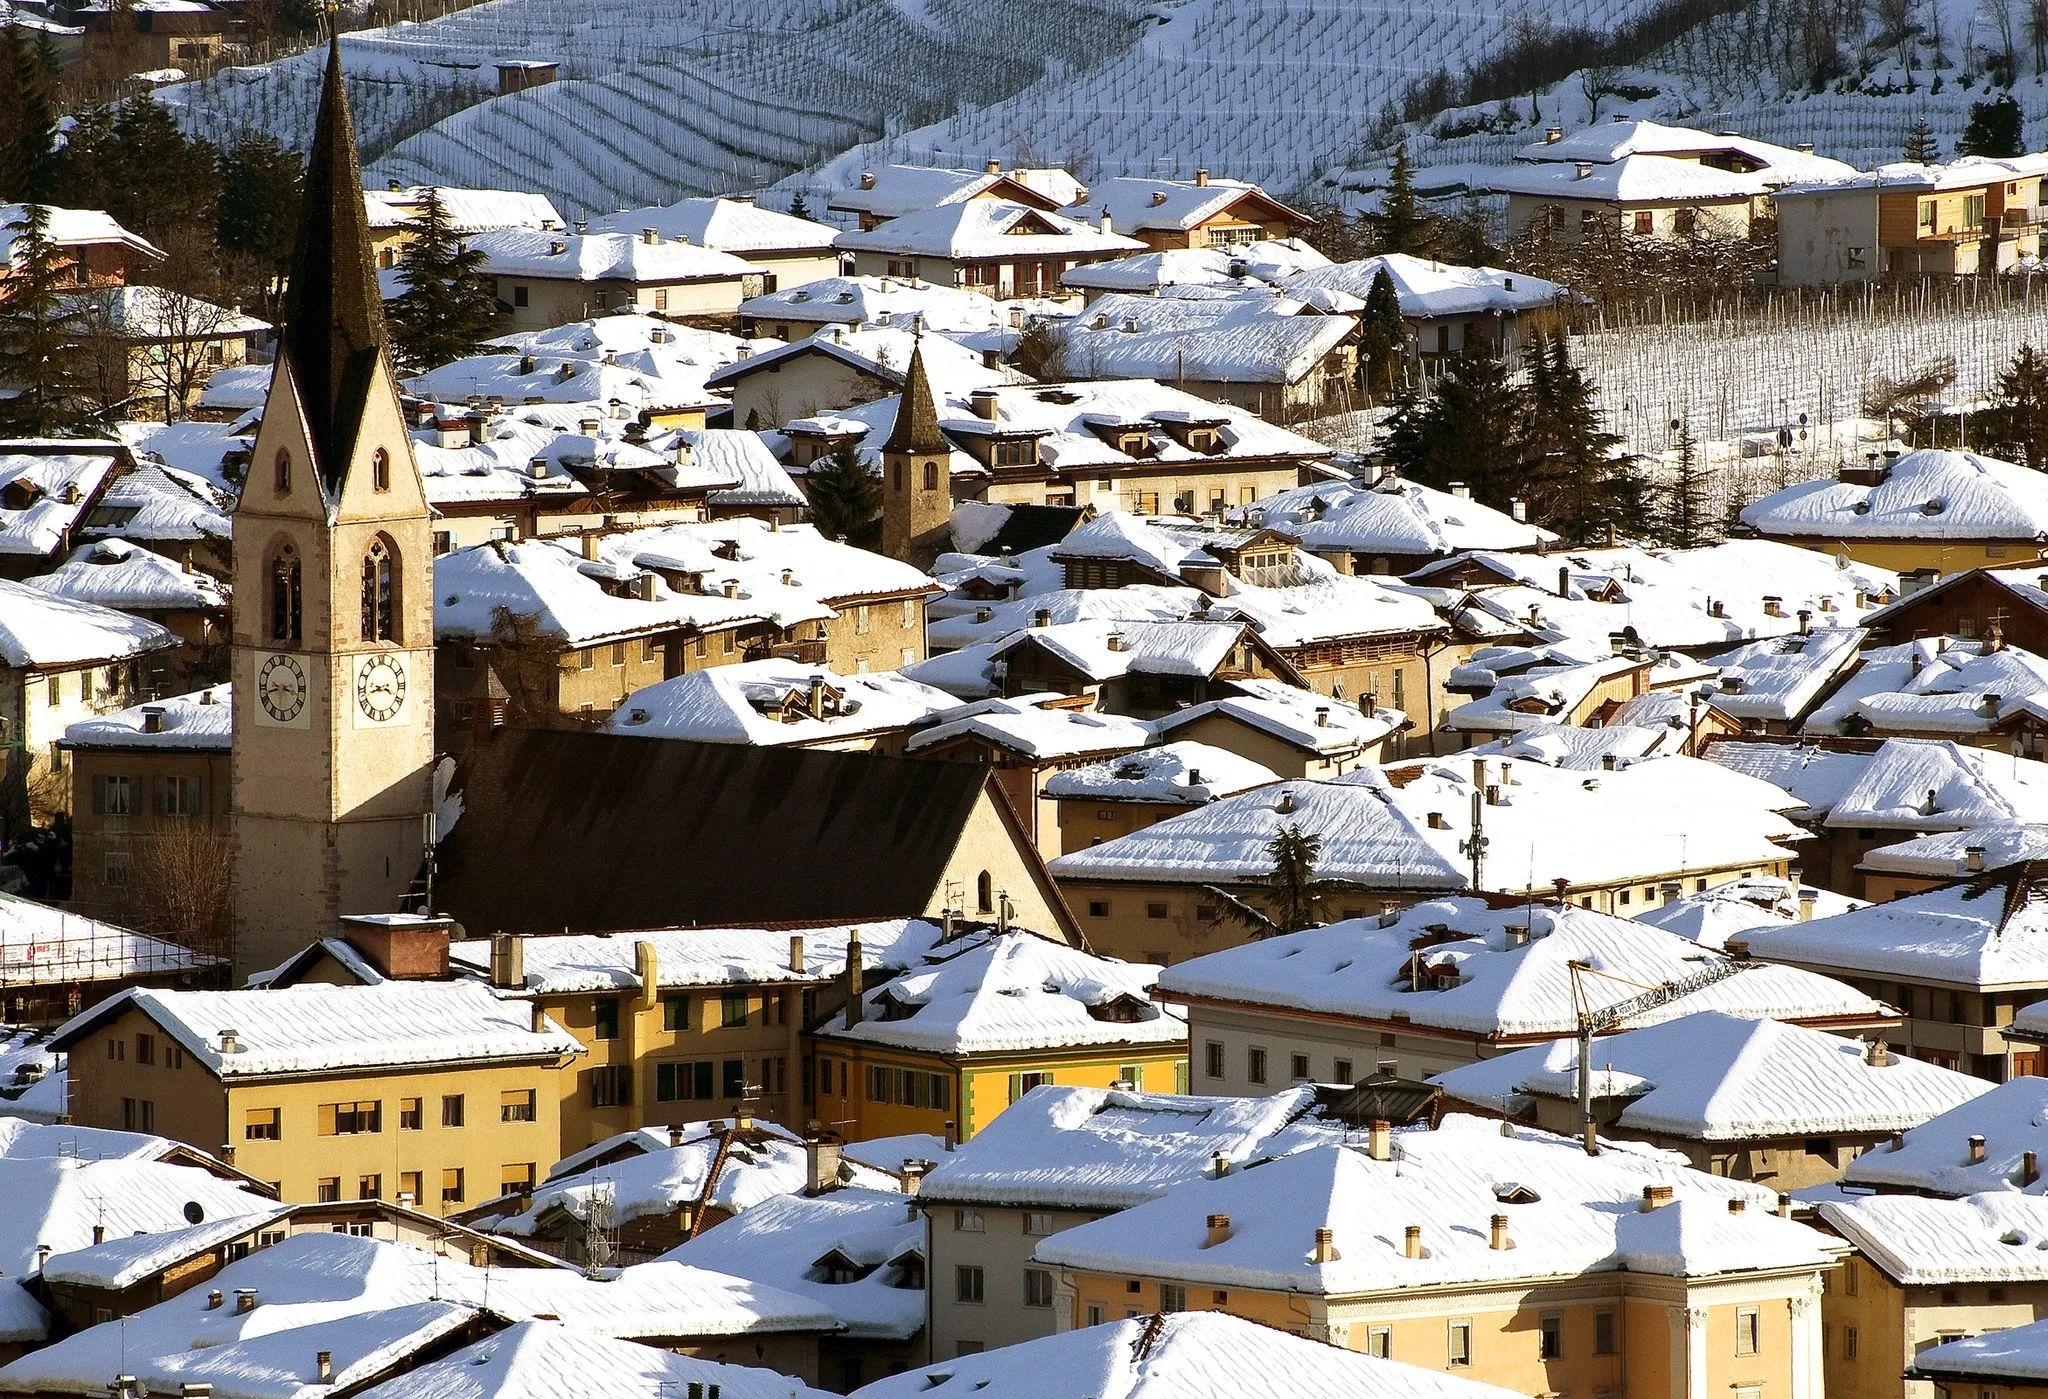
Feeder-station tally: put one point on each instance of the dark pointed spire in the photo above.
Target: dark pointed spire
(916, 431)
(333, 315)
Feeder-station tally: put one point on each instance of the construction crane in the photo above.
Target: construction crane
(1592, 1022)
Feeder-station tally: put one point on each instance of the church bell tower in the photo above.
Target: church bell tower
(917, 478)
(333, 599)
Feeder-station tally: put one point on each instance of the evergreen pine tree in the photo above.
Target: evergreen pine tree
(1400, 227)
(1687, 514)
(28, 118)
(843, 493)
(1582, 485)
(1382, 334)
(1921, 147)
(260, 185)
(1466, 431)
(2016, 420)
(1993, 129)
(40, 333)
(798, 207)
(1293, 894)
(448, 307)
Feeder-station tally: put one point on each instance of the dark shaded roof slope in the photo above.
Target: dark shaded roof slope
(916, 430)
(1034, 527)
(596, 832)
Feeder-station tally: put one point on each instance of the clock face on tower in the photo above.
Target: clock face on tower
(281, 690)
(380, 689)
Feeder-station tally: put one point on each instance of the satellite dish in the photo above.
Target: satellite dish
(193, 1213)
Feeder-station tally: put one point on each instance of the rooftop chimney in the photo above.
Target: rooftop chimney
(1498, 1238)
(213, 1300)
(982, 403)
(1379, 1140)
(1582, 170)
(1326, 1249)
(856, 971)
(1553, 136)
(1655, 1197)
(796, 952)
(508, 962)
(540, 1019)
(1976, 1151)
(2030, 1168)
(1877, 1053)
(913, 1177)
(1411, 1242)
(1807, 899)
(1784, 1205)
(821, 1166)
(245, 1300)
(1973, 858)
(1219, 1230)
(1201, 179)
(323, 1366)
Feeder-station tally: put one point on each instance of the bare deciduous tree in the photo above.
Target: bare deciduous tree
(180, 885)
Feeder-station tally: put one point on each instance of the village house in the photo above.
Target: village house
(1447, 308)
(394, 213)
(1974, 215)
(2010, 599)
(95, 251)
(55, 961)
(1274, 355)
(1197, 213)
(1061, 1156)
(1925, 514)
(830, 835)
(1515, 691)
(1510, 1259)
(149, 806)
(779, 703)
(48, 490)
(1929, 861)
(151, 350)
(1857, 795)
(896, 190)
(1115, 796)
(547, 279)
(1379, 524)
(430, 1093)
(887, 303)
(2000, 1364)
(980, 1020)
(1982, 693)
(855, 1250)
(1772, 686)
(1394, 835)
(839, 367)
(1454, 981)
(1222, 270)
(1754, 1099)
(189, 604)
(1169, 1353)
(996, 247)
(1292, 732)
(788, 251)
(1981, 1146)
(1960, 960)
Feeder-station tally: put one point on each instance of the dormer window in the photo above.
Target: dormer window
(1201, 439)
(1015, 451)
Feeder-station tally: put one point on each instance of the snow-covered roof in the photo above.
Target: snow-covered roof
(1925, 785)
(1103, 650)
(786, 1242)
(1712, 916)
(70, 228)
(989, 993)
(201, 720)
(39, 631)
(1631, 179)
(1450, 1182)
(1992, 1237)
(1486, 978)
(1948, 854)
(166, 503)
(468, 210)
(1779, 679)
(313, 1028)
(1964, 172)
(575, 962)
(46, 486)
(1933, 1158)
(990, 622)
(1175, 773)
(986, 228)
(2018, 1355)
(1404, 827)
(768, 702)
(896, 302)
(1301, 718)
(1534, 698)
(237, 388)
(1817, 778)
(737, 226)
(1256, 338)
(712, 1166)
(375, 1303)
(537, 1359)
(601, 257)
(891, 191)
(1936, 685)
(1604, 142)
(1108, 1148)
(115, 573)
(1712, 1076)
(157, 313)
(1027, 724)
(1427, 289)
(881, 351)
(1393, 517)
(1138, 203)
(45, 946)
(1933, 493)
(1176, 1356)
(1268, 261)
(1989, 932)
(121, 1262)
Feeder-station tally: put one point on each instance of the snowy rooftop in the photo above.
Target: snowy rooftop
(601, 257)
(1989, 932)
(1729, 910)
(1964, 172)
(114, 573)
(1136, 203)
(1486, 977)
(987, 228)
(1948, 854)
(1302, 718)
(467, 210)
(897, 302)
(577, 962)
(175, 494)
(550, 1360)
(1176, 1356)
(987, 993)
(1393, 517)
(1266, 262)
(1928, 494)
(1258, 337)
(894, 190)
(43, 945)
(39, 631)
(1403, 827)
(1712, 1076)
(46, 488)
(1095, 1148)
(70, 228)
(976, 621)
(1934, 1157)
(1534, 698)
(1604, 142)
(717, 1169)
(1630, 179)
(882, 351)
(737, 226)
(1781, 678)
(203, 719)
(1029, 725)
(1176, 773)
(803, 1245)
(320, 1029)
(1426, 288)
(1998, 1236)
(2018, 1355)
(1936, 685)
(771, 702)
(1889, 788)
(1585, 1216)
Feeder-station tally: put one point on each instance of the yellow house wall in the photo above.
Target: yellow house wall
(802, 385)
(884, 634)
(1262, 748)
(986, 843)
(977, 1090)
(1908, 555)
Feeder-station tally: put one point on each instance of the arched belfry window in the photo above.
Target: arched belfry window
(283, 468)
(984, 892)
(380, 592)
(380, 471)
(284, 595)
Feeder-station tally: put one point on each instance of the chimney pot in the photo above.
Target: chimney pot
(213, 1300)
(796, 952)
(675, 1135)
(1411, 1241)
(1736, 1204)
(1656, 1197)
(1219, 1230)
(821, 1166)
(245, 1300)
(1219, 1164)
(1326, 1250)
(1379, 1140)
(1976, 1151)
(1499, 1236)
(2030, 1168)
(1784, 1205)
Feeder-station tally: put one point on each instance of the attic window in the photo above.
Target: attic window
(19, 494)
(1513, 1193)
(1061, 396)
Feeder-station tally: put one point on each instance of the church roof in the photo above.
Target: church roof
(334, 316)
(917, 414)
